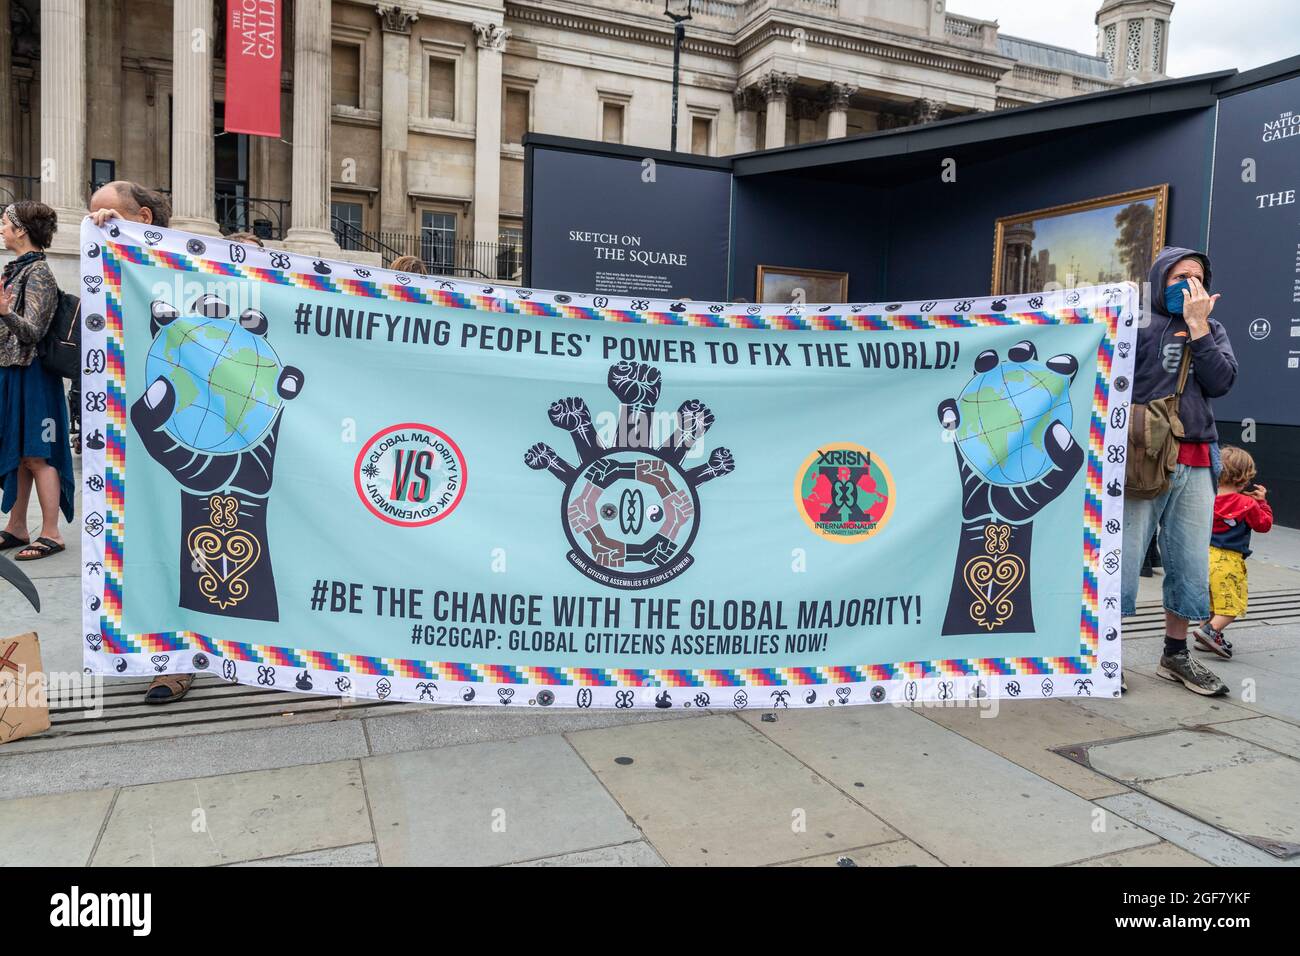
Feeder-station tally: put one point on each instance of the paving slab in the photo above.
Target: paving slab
(1268, 732)
(359, 854)
(1152, 704)
(59, 622)
(213, 820)
(897, 853)
(712, 792)
(1193, 835)
(1256, 801)
(489, 804)
(1280, 546)
(176, 758)
(1140, 760)
(959, 801)
(1280, 660)
(52, 831)
(1162, 854)
(1025, 731)
(639, 853)
(1271, 693)
(452, 726)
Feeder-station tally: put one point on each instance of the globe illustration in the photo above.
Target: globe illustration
(225, 379)
(1005, 415)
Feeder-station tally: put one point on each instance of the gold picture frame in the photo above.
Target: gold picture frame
(776, 284)
(1075, 250)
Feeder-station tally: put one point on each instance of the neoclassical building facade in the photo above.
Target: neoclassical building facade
(402, 120)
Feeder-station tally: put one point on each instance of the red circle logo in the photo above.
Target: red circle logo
(410, 474)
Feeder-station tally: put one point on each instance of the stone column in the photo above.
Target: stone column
(310, 232)
(837, 96)
(487, 132)
(775, 87)
(193, 139)
(104, 81)
(7, 146)
(63, 117)
(746, 106)
(805, 114)
(396, 108)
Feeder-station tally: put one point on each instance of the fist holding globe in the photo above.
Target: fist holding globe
(225, 378)
(1015, 455)
(210, 417)
(1006, 412)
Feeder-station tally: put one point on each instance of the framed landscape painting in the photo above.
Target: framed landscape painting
(1091, 242)
(779, 284)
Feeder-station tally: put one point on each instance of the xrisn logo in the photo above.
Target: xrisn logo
(103, 909)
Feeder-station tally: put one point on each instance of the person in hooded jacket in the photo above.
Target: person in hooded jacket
(1180, 322)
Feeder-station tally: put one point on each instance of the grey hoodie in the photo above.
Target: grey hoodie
(1159, 347)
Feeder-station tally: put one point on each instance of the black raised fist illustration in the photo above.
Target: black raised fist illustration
(1010, 429)
(211, 417)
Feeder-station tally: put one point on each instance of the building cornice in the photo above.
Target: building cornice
(618, 29)
(884, 46)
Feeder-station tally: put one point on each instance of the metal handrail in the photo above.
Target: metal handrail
(23, 187)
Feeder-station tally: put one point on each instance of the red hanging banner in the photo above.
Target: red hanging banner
(253, 67)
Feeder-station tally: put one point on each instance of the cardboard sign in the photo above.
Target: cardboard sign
(24, 707)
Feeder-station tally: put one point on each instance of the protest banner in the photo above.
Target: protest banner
(325, 477)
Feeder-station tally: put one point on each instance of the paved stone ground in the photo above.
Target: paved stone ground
(1160, 777)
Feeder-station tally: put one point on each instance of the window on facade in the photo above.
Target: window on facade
(510, 252)
(514, 116)
(701, 129)
(1133, 49)
(611, 123)
(438, 240)
(346, 81)
(345, 218)
(442, 88)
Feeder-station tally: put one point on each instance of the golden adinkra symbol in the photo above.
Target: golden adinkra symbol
(223, 553)
(993, 578)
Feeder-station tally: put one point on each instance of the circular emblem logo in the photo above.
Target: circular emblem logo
(410, 475)
(635, 503)
(630, 510)
(844, 492)
(1259, 329)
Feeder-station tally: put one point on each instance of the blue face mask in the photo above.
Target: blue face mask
(1174, 297)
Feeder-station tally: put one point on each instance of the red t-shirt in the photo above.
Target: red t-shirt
(1196, 454)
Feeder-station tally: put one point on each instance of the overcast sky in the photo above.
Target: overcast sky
(1204, 35)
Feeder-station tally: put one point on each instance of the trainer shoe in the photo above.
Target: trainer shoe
(1208, 639)
(1193, 675)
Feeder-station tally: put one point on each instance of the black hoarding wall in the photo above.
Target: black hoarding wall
(1255, 250)
(796, 221)
(627, 223)
(941, 233)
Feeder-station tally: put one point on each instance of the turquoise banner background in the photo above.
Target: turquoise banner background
(506, 536)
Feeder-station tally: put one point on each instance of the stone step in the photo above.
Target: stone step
(213, 705)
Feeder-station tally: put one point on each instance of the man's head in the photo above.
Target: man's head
(1185, 269)
(133, 201)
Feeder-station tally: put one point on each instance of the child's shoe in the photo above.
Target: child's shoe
(1208, 639)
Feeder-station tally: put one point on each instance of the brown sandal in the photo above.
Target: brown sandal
(176, 686)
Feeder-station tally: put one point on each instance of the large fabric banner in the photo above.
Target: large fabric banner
(333, 478)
